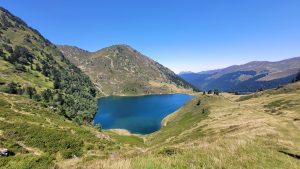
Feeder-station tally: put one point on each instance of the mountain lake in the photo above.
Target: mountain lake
(137, 114)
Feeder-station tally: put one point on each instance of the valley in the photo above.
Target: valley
(48, 109)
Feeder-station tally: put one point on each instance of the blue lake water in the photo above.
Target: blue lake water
(137, 114)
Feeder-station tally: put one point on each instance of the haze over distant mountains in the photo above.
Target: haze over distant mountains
(122, 70)
(248, 77)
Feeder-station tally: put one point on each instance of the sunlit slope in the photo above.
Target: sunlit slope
(39, 138)
(261, 130)
(122, 70)
(31, 65)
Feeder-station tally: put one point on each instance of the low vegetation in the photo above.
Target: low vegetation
(230, 133)
(121, 70)
(39, 138)
(32, 66)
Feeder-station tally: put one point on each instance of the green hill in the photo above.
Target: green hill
(31, 65)
(260, 130)
(121, 70)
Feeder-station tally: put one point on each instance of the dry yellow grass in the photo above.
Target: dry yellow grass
(260, 132)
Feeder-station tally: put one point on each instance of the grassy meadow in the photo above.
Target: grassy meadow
(261, 130)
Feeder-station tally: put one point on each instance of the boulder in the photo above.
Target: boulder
(4, 152)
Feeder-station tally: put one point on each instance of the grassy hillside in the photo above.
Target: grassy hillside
(261, 130)
(227, 131)
(37, 137)
(31, 65)
(121, 70)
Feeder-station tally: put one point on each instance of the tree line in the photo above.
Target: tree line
(73, 94)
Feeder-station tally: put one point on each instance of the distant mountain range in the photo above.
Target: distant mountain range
(248, 77)
(122, 70)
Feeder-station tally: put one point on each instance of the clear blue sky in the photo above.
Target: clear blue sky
(181, 34)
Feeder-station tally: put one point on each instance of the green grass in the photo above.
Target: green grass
(227, 134)
(32, 78)
(40, 137)
(128, 139)
(182, 120)
(247, 97)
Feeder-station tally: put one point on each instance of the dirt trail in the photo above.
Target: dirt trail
(34, 151)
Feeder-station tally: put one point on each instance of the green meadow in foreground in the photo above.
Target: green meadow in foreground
(225, 131)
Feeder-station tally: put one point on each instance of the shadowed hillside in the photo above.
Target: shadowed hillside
(249, 77)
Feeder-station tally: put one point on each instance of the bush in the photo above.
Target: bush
(31, 91)
(198, 102)
(98, 126)
(1, 53)
(169, 151)
(8, 48)
(216, 92)
(21, 55)
(37, 97)
(47, 95)
(12, 88)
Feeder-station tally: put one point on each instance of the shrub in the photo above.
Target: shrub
(31, 91)
(216, 92)
(37, 97)
(20, 55)
(209, 92)
(12, 88)
(198, 102)
(98, 126)
(169, 151)
(47, 95)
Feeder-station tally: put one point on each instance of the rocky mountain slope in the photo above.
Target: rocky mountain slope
(246, 78)
(120, 69)
(31, 65)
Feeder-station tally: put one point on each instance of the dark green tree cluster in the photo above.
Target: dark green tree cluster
(75, 92)
(14, 88)
(20, 56)
(216, 92)
(73, 95)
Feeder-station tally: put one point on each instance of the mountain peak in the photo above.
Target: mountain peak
(120, 69)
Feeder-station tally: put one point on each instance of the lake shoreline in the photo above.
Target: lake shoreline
(151, 94)
(141, 114)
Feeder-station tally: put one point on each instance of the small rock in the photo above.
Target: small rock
(4, 152)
